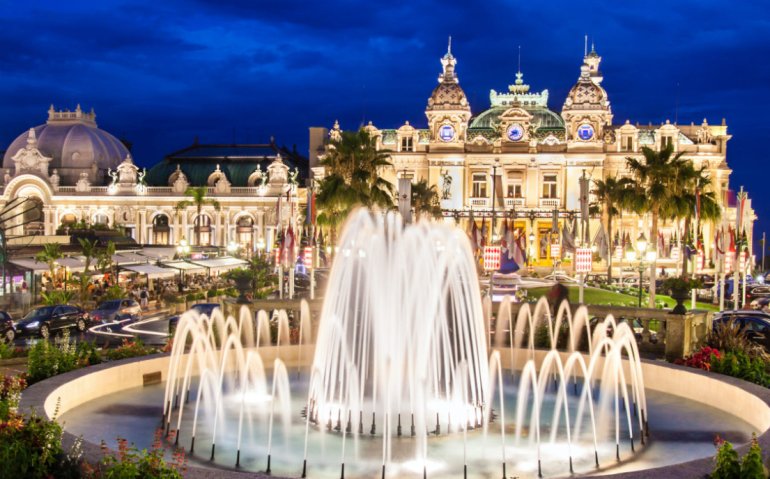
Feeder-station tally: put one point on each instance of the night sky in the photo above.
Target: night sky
(160, 73)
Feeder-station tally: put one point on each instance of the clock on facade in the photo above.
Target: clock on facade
(515, 132)
(446, 133)
(585, 132)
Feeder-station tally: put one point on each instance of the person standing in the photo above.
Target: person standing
(144, 297)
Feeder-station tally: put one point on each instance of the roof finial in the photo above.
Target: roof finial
(449, 46)
(593, 46)
(585, 47)
(519, 71)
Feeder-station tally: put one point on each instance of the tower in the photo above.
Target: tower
(448, 110)
(586, 110)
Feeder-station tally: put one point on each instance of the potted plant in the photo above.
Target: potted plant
(679, 288)
(242, 277)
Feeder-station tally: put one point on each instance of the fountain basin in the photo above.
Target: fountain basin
(747, 403)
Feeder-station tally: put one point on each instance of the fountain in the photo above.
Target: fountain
(404, 373)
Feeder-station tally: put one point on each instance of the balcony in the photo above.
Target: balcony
(514, 203)
(549, 203)
(481, 202)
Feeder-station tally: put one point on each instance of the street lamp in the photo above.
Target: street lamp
(232, 248)
(531, 246)
(183, 248)
(645, 258)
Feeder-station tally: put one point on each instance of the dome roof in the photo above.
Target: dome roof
(541, 118)
(586, 94)
(448, 96)
(74, 142)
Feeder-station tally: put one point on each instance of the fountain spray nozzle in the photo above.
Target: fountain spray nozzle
(398, 428)
(414, 432)
(373, 431)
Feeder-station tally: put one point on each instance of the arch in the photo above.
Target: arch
(215, 177)
(202, 229)
(101, 217)
(29, 185)
(161, 228)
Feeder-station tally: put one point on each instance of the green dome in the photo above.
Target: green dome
(542, 118)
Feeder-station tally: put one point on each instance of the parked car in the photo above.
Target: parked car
(201, 308)
(110, 310)
(761, 304)
(45, 320)
(754, 324)
(561, 278)
(757, 292)
(594, 278)
(7, 328)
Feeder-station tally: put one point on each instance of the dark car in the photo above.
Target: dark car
(7, 328)
(44, 320)
(754, 324)
(202, 308)
(110, 310)
(757, 292)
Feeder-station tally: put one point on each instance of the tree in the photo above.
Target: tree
(352, 177)
(693, 186)
(197, 199)
(89, 251)
(656, 188)
(50, 255)
(104, 258)
(612, 195)
(425, 199)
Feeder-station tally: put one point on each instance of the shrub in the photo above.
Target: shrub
(727, 465)
(132, 463)
(10, 394)
(701, 359)
(8, 351)
(130, 348)
(30, 447)
(52, 298)
(46, 359)
(740, 364)
(751, 466)
(728, 336)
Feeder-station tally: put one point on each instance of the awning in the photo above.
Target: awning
(159, 253)
(220, 265)
(128, 257)
(185, 266)
(76, 265)
(30, 264)
(152, 271)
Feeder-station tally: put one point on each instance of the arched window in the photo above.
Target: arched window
(202, 226)
(32, 216)
(244, 231)
(101, 219)
(160, 229)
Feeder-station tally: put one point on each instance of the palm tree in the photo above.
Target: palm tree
(612, 194)
(198, 200)
(425, 199)
(352, 177)
(88, 248)
(692, 184)
(50, 255)
(658, 184)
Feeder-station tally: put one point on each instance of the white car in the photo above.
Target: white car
(561, 278)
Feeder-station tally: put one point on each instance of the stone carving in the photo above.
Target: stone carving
(55, 180)
(293, 177)
(179, 181)
(278, 172)
(30, 159)
(704, 135)
(127, 172)
(83, 184)
(446, 185)
(6, 178)
(222, 185)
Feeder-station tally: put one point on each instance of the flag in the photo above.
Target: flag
(507, 262)
(310, 219)
(483, 233)
(741, 209)
(567, 240)
(555, 221)
(287, 253)
(519, 252)
(475, 243)
(697, 203)
(602, 244)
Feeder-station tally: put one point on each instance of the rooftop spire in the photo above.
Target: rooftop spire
(519, 70)
(448, 63)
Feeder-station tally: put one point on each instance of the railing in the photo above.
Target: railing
(481, 202)
(162, 190)
(514, 202)
(549, 202)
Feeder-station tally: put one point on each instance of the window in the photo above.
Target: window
(160, 229)
(549, 186)
(407, 143)
(479, 185)
(629, 145)
(513, 184)
(666, 141)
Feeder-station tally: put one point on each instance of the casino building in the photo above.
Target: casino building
(76, 173)
(521, 160)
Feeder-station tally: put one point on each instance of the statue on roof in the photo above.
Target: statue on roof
(55, 180)
(30, 159)
(704, 135)
(446, 185)
(293, 177)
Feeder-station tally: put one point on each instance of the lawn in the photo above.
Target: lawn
(611, 298)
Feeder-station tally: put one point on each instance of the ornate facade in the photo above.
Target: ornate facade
(74, 172)
(523, 160)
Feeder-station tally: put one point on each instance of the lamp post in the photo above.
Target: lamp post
(494, 192)
(232, 248)
(182, 250)
(531, 248)
(645, 258)
(260, 246)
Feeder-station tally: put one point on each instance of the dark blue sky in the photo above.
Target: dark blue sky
(161, 72)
